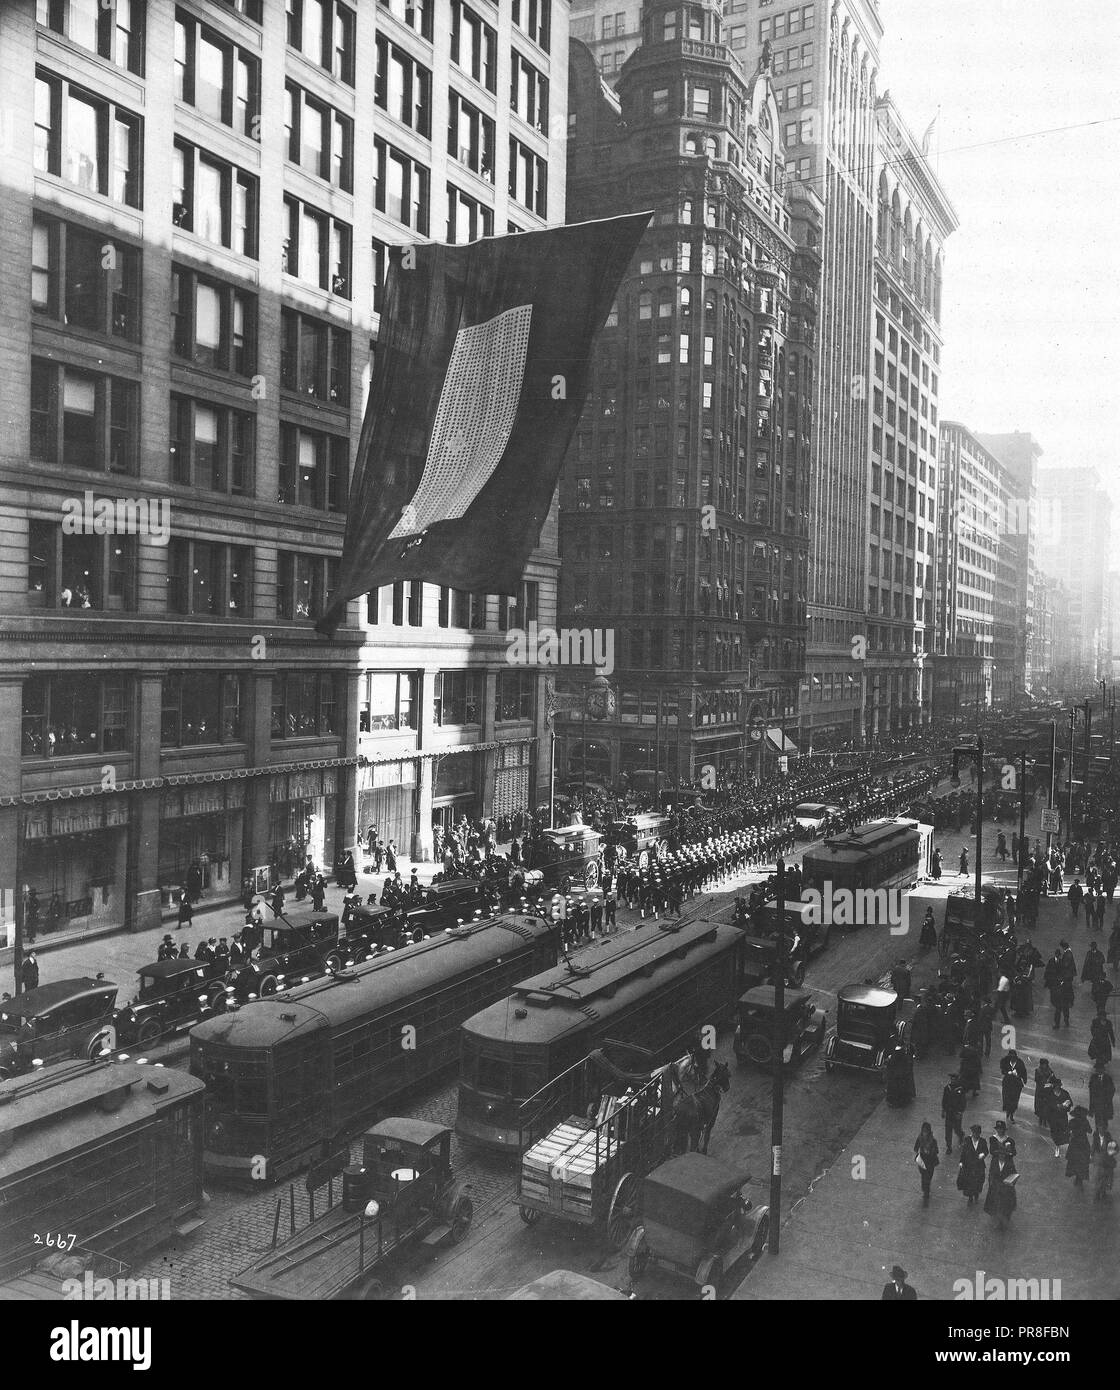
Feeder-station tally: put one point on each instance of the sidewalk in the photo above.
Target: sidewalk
(865, 1214)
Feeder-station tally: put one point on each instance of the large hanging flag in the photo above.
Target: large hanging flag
(479, 378)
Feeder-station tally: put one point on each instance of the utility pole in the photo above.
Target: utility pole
(17, 904)
(779, 1046)
(1053, 777)
(1022, 817)
(1069, 802)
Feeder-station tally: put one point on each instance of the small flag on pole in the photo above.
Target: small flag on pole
(479, 379)
(928, 136)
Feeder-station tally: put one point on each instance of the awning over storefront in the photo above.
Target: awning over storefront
(780, 742)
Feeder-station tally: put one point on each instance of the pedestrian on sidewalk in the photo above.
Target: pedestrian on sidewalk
(29, 974)
(1002, 1176)
(1042, 1077)
(391, 857)
(953, 1102)
(1076, 894)
(1060, 1107)
(1102, 1038)
(964, 861)
(926, 1157)
(898, 1290)
(1003, 996)
(1093, 966)
(1102, 1092)
(1077, 1155)
(970, 1173)
(277, 902)
(1061, 999)
(986, 1018)
(318, 894)
(186, 911)
(1014, 1073)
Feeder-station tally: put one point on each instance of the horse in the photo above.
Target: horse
(694, 1115)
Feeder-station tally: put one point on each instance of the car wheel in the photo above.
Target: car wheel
(333, 963)
(710, 1273)
(461, 1219)
(638, 1263)
(372, 1291)
(267, 986)
(759, 1048)
(530, 1215)
(149, 1033)
(761, 1237)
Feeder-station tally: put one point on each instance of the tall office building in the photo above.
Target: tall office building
(684, 499)
(913, 220)
(197, 199)
(1023, 524)
(1075, 548)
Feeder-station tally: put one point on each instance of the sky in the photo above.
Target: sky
(1031, 305)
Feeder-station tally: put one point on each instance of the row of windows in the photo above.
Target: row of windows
(113, 29)
(74, 714)
(791, 22)
(390, 699)
(402, 605)
(204, 578)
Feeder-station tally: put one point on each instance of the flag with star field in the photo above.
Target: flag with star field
(479, 378)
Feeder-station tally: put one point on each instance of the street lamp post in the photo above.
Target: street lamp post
(779, 1044)
(974, 753)
(1022, 818)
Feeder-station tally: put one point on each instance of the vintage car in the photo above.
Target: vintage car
(293, 946)
(449, 904)
(67, 1018)
(960, 935)
(804, 938)
(643, 838)
(697, 1220)
(173, 994)
(869, 1021)
(813, 818)
(402, 1194)
(803, 1028)
(567, 856)
(565, 1286)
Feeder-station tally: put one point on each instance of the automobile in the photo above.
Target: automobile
(67, 1018)
(813, 818)
(567, 856)
(172, 994)
(292, 946)
(697, 1220)
(803, 1029)
(870, 1020)
(805, 937)
(565, 1286)
(402, 1194)
(959, 933)
(448, 904)
(643, 837)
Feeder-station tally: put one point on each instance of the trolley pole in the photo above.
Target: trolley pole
(779, 1065)
(1022, 818)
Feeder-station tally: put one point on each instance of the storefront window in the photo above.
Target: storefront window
(66, 715)
(200, 707)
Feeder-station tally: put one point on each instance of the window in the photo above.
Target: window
(457, 698)
(305, 705)
(316, 248)
(403, 87)
(304, 585)
(87, 141)
(213, 324)
(208, 580)
(314, 469)
(402, 187)
(516, 695)
(323, 31)
(201, 707)
(474, 45)
(534, 18)
(467, 218)
(91, 572)
(216, 76)
(82, 712)
(113, 29)
(659, 102)
(470, 137)
(84, 279)
(251, 9)
(212, 447)
(83, 419)
(528, 177)
(390, 700)
(417, 14)
(528, 93)
(314, 358)
(319, 138)
(701, 101)
(214, 200)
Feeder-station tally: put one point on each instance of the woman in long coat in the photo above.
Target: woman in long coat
(1077, 1155)
(1059, 1116)
(1011, 1090)
(926, 1156)
(1042, 1075)
(970, 1174)
(1001, 1200)
(1102, 1038)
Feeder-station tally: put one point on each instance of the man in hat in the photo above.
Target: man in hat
(166, 948)
(221, 952)
(1102, 1090)
(898, 1290)
(953, 1102)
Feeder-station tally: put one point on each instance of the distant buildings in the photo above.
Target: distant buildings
(685, 497)
(1075, 547)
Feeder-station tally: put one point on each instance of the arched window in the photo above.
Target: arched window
(691, 146)
(645, 305)
(686, 301)
(896, 231)
(711, 147)
(884, 213)
(686, 209)
(927, 277)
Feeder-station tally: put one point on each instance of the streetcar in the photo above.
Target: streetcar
(287, 1073)
(104, 1158)
(875, 861)
(654, 990)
